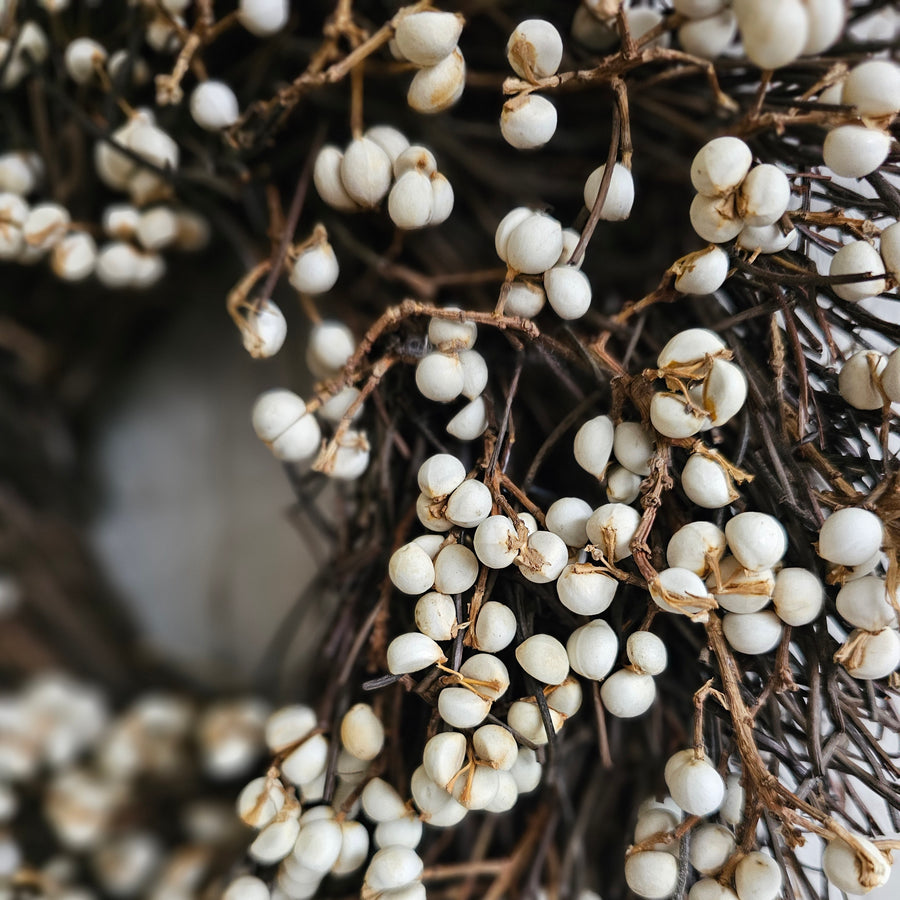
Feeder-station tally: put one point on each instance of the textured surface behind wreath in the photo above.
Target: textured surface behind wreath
(193, 528)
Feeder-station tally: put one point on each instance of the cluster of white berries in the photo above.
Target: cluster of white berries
(380, 164)
(745, 583)
(130, 258)
(213, 104)
(773, 33)
(146, 140)
(438, 568)
(280, 417)
(632, 445)
(139, 230)
(488, 753)
(697, 788)
(137, 233)
(453, 369)
(49, 723)
(428, 39)
(869, 379)
(313, 269)
(712, 844)
(29, 47)
(62, 749)
(873, 90)
(852, 539)
(736, 201)
(293, 434)
(325, 838)
(535, 244)
(702, 577)
(485, 771)
(758, 595)
(706, 389)
(31, 233)
(654, 872)
(534, 51)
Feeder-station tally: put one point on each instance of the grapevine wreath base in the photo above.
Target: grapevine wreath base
(598, 419)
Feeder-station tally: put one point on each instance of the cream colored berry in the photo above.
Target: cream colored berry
(774, 32)
(627, 694)
(854, 151)
(859, 379)
(362, 733)
(720, 166)
(857, 258)
(592, 650)
(764, 195)
(425, 38)
(850, 537)
(619, 196)
(652, 874)
(527, 121)
(436, 88)
(534, 49)
(702, 272)
(758, 877)
(873, 87)
(716, 219)
(366, 172)
(694, 784)
(594, 443)
(412, 652)
(855, 870)
(544, 658)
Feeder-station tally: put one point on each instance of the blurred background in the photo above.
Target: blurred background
(152, 539)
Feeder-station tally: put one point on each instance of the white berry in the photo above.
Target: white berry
(619, 196)
(857, 258)
(214, 105)
(425, 38)
(534, 49)
(850, 537)
(527, 121)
